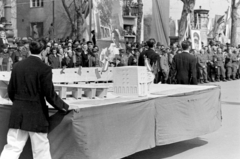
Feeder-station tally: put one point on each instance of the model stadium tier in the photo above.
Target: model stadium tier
(82, 75)
(78, 90)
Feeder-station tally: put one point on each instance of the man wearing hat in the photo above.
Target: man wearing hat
(164, 65)
(132, 58)
(211, 61)
(229, 64)
(24, 49)
(234, 64)
(219, 65)
(6, 58)
(202, 66)
(3, 39)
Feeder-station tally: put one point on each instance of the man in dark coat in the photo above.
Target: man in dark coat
(150, 54)
(153, 58)
(29, 86)
(184, 66)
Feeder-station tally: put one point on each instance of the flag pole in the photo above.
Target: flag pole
(90, 18)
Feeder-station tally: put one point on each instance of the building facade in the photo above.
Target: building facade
(49, 18)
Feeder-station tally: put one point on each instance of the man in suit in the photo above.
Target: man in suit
(29, 86)
(184, 66)
(3, 39)
(153, 58)
(150, 54)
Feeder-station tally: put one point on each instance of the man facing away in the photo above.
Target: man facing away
(29, 86)
(184, 66)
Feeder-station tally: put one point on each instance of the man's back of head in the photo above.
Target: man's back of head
(151, 43)
(185, 45)
(36, 47)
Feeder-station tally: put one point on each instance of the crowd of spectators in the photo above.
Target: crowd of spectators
(57, 54)
(214, 62)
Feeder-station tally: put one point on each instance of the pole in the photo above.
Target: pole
(53, 23)
(90, 18)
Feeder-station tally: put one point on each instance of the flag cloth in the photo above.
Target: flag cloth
(62, 71)
(160, 23)
(105, 66)
(97, 74)
(79, 70)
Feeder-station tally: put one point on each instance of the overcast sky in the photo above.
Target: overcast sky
(216, 7)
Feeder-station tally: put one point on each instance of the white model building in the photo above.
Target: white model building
(130, 81)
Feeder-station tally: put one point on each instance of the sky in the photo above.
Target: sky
(216, 7)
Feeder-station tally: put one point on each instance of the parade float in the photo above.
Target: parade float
(116, 112)
(120, 109)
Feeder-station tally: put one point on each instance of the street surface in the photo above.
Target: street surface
(222, 144)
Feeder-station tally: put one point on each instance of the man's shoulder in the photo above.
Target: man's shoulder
(187, 55)
(149, 51)
(33, 62)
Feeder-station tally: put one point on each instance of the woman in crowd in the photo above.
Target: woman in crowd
(132, 59)
(67, 61)
(53, 58)
(78, 55)
(85, 60)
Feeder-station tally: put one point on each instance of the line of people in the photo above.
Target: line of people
(214, 63)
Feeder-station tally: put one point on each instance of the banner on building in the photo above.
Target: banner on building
(196, 39)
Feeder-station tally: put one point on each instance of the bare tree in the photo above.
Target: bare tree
(234, 15)
(188, 6)
(82, 11)
(147, 26)
(69, 17)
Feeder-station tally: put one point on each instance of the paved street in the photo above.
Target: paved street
(222, 144)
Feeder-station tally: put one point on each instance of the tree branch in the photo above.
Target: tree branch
(238, 4)
(67, 11)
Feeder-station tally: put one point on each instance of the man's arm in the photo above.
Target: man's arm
(49, 92)
(193, 71)
(141, 60)
(11, 90)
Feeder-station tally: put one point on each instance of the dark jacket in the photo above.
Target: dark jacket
(78, 60)
(184, 67)
(85, 59)
(151, 55)
(68, 62)
(54, 61)
(132, 60)
(29, 86)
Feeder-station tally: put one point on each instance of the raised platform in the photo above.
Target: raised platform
(120, 126)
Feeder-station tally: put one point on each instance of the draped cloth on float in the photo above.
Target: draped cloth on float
(160, 22)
